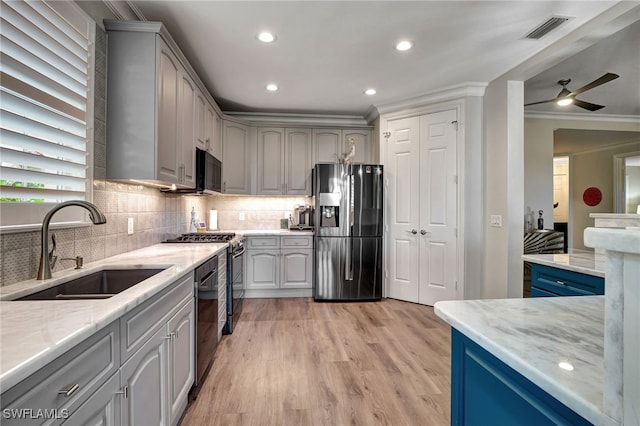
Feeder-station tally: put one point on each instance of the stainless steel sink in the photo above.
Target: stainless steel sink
(99, 285)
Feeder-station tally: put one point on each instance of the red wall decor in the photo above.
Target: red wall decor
(592, 196)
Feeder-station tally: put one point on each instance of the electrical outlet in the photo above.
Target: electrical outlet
(241, 216)
(130, 226)
(496, 220)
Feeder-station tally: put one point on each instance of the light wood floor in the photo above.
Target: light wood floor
(297, 362)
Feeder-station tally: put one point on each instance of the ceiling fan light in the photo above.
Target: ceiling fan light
(565, 101)
(404, 45)
(266, 37)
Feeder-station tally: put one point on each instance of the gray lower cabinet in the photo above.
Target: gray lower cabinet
(279, 263)
(136, 371)
(102, 409)
(144, 379)
(59, 388)
(180, 361)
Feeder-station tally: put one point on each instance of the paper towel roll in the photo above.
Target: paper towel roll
(213, 220)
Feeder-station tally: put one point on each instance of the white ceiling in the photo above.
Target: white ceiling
(328, 52)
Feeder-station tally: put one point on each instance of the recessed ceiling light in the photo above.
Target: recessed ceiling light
(266, 37)
(272, 87)
(404, 45)
(370, 92)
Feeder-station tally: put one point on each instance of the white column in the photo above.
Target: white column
(622, 320)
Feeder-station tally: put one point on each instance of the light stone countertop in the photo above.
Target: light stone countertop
(34, 333)
(585, 263)
(261, 232)
(533, 335)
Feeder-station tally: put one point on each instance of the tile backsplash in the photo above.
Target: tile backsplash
(260, 212)
(156, 217)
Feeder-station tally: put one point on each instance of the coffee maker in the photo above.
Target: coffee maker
(302, 218)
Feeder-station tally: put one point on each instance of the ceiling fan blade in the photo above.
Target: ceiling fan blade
(587, 105)
(595, 83)
(541, 102)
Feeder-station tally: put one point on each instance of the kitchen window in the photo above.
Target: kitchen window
(46, 117)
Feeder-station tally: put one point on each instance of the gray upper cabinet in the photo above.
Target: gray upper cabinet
(270, 160)
(362, 140)
(156, 107)
(297, 157)
(329, 145)
(284, 161)
(207, 126)
(168, 91)
(212, 135)
(238, 158)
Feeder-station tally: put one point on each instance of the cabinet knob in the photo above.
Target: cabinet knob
(562, 283)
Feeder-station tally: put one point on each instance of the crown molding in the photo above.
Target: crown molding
(614, 118)
(300, 119)
(441, 95)
(124, 10)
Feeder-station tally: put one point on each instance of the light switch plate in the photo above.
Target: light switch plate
(241, 216)
(130, 226)
(496, 220)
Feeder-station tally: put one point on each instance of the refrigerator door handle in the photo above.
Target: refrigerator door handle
(348, 262)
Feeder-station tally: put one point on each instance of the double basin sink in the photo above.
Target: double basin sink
(98, 285)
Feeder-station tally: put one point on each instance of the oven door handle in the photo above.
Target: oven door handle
(206, 281)
(238, 254)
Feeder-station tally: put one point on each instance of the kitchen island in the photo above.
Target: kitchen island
(532, 337)
(583, 262)
(552, 360)
(566, 274)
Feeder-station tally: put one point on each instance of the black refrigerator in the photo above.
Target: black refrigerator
(348, 232)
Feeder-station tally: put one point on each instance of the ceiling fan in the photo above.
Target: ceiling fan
(566, 97)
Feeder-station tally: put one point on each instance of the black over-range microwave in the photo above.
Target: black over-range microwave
(208, 175)
(208, 172)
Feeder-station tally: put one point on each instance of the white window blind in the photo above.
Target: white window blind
(45, 107)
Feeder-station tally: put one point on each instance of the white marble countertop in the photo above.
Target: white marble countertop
(34, 333)
(585, 263)
(533, 335)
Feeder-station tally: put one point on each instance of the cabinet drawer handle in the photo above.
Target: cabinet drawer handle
(68, 391)
(562, 283)
(124, 392)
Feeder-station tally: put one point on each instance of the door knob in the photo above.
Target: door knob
(423, 232)
(413, 231)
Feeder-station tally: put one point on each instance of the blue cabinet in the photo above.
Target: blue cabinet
(486, 391)
(548, 281)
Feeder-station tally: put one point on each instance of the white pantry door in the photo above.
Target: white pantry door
(438, 207)
(402, 167)
(421, 166)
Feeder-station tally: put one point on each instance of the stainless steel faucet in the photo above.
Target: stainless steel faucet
(97, 217)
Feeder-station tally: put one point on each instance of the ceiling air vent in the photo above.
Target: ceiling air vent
(546, 27)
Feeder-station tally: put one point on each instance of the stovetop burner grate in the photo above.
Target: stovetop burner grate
(202, 238)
